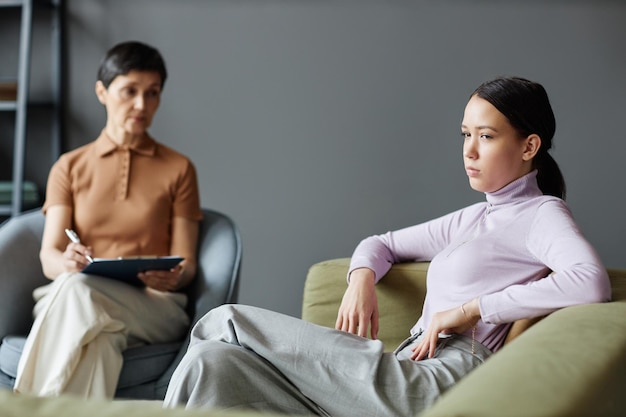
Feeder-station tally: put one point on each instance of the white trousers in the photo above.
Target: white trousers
(82, 325)
(243, 357)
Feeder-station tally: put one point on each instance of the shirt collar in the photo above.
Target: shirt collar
(523, 188)
(144, 145)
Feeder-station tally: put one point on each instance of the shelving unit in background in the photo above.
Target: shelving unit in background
(14, 97)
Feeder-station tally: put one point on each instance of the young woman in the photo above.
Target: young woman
(125, 195)
(517, 255)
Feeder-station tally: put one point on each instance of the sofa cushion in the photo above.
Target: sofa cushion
(618, 284)
(10, 352)
(6, 382)
(146, 363)
(20, 405)
(400, 297)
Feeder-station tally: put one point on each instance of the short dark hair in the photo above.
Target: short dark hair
(527, 107)
(130, 56)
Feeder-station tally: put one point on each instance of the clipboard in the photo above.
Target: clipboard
(126, 269)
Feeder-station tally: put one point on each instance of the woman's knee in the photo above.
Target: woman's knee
(66, 283)
(213, 322)
(205, 370)
(208, 361)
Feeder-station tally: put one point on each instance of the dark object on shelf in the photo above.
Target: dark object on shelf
(14, 93)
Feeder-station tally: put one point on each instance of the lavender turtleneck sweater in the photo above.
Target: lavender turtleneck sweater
(519, 251)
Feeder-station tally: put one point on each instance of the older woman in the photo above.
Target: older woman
(125, 195)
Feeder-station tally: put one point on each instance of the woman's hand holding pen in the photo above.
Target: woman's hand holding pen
(76, 257)
(456, 320)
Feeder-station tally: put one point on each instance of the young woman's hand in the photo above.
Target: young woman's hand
(359, 307)
(456, 320)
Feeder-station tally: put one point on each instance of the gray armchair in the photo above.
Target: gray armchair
(147, 369)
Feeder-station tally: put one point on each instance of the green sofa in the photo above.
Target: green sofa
(571, 363)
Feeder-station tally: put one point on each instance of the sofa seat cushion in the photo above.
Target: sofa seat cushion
(141, 364)
(10, 352)
(146, 363)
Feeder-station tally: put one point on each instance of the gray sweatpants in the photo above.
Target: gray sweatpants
(243, 357)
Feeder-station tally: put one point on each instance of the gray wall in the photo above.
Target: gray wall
(316, 123)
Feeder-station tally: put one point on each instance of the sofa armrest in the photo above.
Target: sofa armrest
(400, 297)
(572, 363)
(67, 405)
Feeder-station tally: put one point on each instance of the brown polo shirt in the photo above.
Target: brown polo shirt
(125, 197)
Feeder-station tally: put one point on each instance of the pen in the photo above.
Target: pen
(74, 238)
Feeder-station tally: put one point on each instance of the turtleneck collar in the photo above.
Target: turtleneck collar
(105, 145)
(523, 188)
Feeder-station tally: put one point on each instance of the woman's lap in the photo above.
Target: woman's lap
(148, 316)
(342, 373)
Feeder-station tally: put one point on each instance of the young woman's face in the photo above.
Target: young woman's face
(493, 151)
(131, 102)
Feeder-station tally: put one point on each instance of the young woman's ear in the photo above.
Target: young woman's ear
(101, 92)
(532, 145)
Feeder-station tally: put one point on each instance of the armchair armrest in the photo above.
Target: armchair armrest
(20, 271)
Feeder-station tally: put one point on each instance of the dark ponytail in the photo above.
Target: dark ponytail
(527, 107)
(549, 176)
